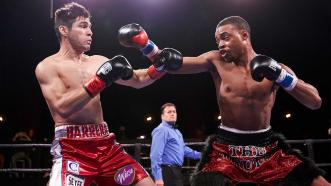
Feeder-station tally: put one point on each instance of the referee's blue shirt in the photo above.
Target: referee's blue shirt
(168, 148)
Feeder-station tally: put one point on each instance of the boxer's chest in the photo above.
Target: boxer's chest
(238, 82)
(74, 75)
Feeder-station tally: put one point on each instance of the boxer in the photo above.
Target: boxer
(245, 149)
(83, 149)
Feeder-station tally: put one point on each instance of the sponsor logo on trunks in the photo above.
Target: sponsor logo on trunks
(125, 175)
(73, 167)
(264, 164)
(85, 131)
(72, 180)
(246, 164)
(246, 151)
(248, 157)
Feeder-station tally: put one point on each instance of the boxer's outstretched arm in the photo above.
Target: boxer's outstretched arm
(139, 79)
(167, 60)
(59, 99)
(193, 65)
(305, 93)
(142, 78)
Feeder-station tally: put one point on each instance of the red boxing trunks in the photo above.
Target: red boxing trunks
(259, 157)
(86, 154)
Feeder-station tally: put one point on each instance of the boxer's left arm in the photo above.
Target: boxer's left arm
(134, 35)
(168, 60)
(139, 79)
(304, 92)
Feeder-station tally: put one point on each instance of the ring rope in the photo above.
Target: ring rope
(305, 142)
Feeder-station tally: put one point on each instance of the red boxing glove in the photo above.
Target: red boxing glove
(133, 35)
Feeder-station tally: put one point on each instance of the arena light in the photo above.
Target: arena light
(141, 137)
(288, 115)
(219, 117)
(2, 119)
(149, 118)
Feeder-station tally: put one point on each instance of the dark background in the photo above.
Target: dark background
(296, 33)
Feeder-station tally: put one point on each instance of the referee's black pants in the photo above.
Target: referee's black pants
(172, 175)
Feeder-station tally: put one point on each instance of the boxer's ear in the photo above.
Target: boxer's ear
(244, 34)
(63, 30)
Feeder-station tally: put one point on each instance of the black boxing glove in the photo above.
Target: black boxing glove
(110, 71)
(168, 59)
(265, 67)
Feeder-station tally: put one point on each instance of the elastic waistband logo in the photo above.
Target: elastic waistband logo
(86, 131)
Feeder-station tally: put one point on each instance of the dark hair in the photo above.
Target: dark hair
(237, 21)
(67, 14)
(167, 105)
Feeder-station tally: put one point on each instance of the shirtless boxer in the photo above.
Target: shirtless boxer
(246, 150)
(84, 151)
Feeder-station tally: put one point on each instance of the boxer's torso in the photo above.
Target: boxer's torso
(71, 75)
(244, 103)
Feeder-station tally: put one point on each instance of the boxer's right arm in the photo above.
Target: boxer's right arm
(198, 64)
(167, 60)
(110, 71)
(59, 99)
(65, 102)
(171, 61)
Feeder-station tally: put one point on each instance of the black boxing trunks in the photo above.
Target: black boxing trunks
(86, 154)
(259, 157)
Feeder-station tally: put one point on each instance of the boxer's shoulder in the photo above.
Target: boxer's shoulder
(45, 69)
(45, 63)
(48, 59)
(211, 56)
(96, 58)
(215, 56)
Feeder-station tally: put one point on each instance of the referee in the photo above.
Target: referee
(168, 149)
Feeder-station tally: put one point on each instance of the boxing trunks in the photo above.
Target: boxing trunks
(86, 154)
(259, 157)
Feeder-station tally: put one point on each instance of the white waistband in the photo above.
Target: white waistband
(234, 130)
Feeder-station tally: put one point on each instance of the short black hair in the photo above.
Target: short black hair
(237, 21)
(67, 14)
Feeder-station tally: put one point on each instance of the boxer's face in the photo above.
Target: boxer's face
(230, 42)
(80, 34)
(169, 115)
